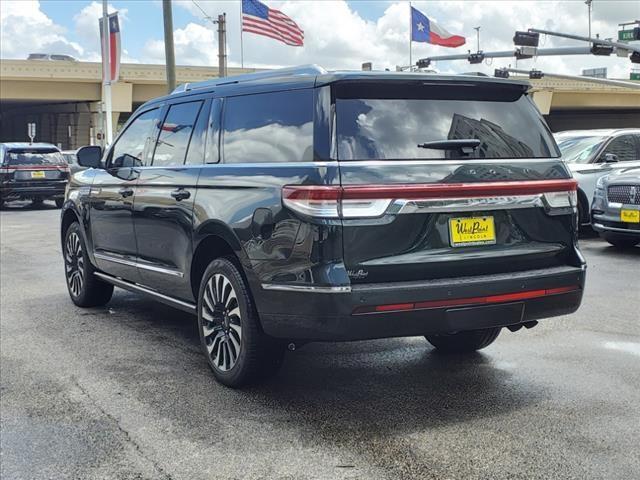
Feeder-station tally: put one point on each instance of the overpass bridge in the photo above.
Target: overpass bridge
(64, 99)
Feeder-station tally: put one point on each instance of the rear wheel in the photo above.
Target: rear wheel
(36, 202)
(620, 241)
(462, 342)
(236, 349)
(85, 289)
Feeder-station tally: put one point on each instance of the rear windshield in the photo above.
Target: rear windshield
(388, 122)
(33, 157)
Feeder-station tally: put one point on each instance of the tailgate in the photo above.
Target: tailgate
(417, 205)
(456, 228)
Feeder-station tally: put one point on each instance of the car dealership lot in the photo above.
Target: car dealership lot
(123, 391)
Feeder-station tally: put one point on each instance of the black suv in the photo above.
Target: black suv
(302, 205)
(32, 171)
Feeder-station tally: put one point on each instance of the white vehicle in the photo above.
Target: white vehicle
(590, 154)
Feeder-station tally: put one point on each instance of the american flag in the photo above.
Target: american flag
(260, 19)
(113, 48)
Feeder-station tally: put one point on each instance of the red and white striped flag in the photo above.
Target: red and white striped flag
(113, 49)
(260, 19)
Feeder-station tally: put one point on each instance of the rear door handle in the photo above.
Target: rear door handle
(126, 191)
(180, 194)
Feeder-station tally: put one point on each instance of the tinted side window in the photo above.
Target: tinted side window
(208, 125)
(133, 147)
(269, 127)
(623, 147)
(175, 134)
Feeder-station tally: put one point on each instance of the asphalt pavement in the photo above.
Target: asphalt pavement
(123, 391)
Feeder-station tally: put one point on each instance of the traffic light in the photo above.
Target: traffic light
(635, 57)
(476, 57)
(423, 63)
(526, 39)
(600, 49)
(525, 52)
(535, 74)
(501, 73)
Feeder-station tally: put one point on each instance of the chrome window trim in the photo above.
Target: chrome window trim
(143, 266)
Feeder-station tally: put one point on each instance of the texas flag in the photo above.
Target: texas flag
(425, 30)
(112, 49)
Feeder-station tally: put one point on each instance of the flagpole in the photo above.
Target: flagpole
(106, 68)
(410, 41)
(241, 46)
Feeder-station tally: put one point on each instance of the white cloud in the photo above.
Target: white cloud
(336, 36)
(193, 45)
(25, 29)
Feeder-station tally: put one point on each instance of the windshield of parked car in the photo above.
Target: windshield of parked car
(389, 122)
(579, 148)
(33, 157)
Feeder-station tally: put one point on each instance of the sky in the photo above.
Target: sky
(338, 33)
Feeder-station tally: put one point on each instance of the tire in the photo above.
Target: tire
(237, 350)
(464, 342)
(59, 202)
(36, 202)
(85, 289)
(620, 241)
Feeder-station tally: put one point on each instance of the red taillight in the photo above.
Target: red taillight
(459, 190)
(368, 201)
(313, 200)
(464, 302)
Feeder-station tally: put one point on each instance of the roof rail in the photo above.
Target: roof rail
(249, 77)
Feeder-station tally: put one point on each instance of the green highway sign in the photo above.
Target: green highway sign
(634, 76)
(627, 35)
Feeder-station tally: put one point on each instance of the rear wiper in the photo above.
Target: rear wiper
(466, 146)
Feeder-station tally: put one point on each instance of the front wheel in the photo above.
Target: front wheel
(85, 289)
(59, 202)
(464, 342)
(236, 349)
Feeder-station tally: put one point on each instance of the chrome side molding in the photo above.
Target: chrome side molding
(143, 266)
(306, 288)
(137, 288)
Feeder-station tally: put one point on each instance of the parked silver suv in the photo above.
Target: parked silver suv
(591, 154)
(616, 208)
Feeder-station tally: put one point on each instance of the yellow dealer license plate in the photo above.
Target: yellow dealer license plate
(630, 216)
(468, 231)
(38, 174)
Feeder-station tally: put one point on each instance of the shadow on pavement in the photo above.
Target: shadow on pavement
(383, 386)
(22, 205)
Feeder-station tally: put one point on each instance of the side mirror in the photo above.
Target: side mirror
(609, 158)
(90, 156)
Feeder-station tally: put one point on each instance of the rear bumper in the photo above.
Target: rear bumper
(14, 190)
(419, 308)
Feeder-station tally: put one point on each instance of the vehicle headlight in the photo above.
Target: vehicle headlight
(600, 183)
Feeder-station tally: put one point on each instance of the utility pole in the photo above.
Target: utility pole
(588, 3)
(477, 29)
(222, 45)
(169, 53)
(106, 72)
